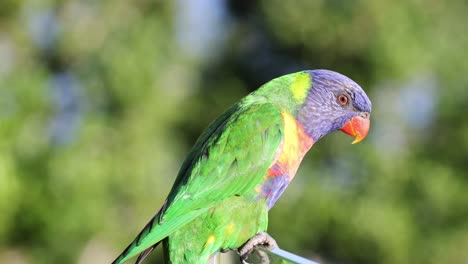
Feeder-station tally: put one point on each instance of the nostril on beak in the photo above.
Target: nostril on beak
(365, 115)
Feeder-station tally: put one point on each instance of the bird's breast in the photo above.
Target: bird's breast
(289, 155)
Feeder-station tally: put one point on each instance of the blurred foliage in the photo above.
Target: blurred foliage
(101, 100)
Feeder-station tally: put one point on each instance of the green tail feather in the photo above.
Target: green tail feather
(153, 233)
(136, 246)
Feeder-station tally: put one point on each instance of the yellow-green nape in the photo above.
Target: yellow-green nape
(300, 86)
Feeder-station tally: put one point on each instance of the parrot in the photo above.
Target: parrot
(243, 162)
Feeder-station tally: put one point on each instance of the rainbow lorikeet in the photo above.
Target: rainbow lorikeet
(244, 161)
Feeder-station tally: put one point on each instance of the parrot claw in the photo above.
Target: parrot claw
(260, 240)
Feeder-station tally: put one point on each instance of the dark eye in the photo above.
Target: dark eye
(343, 99)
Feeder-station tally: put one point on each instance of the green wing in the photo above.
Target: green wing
(230, 158)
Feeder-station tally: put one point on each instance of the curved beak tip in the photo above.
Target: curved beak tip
(357, 127)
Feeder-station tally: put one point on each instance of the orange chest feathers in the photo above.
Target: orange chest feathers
(292, 150)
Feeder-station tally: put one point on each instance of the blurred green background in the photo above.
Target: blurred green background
(101, 100)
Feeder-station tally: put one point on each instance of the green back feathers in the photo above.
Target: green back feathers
(227, 162)
(288, 91)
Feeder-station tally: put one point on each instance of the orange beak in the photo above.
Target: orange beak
(357, 127)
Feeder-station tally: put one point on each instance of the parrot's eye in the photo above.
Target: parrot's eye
(343, 99)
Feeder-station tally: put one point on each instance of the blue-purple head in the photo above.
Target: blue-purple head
(334, 102)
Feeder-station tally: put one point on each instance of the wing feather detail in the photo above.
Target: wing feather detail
(233, 159)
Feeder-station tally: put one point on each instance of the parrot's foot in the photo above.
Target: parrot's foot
(260, 240)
